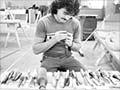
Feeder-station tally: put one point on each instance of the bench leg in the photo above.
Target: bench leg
(18, 40)
(100, 59)
(8, 35)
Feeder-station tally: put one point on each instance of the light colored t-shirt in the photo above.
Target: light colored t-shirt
(48, 26)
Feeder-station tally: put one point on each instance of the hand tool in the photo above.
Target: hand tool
(41, 77)
(89, 81)
(8, 77)
(32, 81)
(99, 78)
(23, 80)
(4, 78)
(108, 75)
(104, 77)
(61, 80)
(93, 78)
(67, 80)
(83, 74)
(17, 76)
(116, 77)
(57, 77)
(75, 76)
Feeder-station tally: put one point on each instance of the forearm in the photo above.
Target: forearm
(42, 47)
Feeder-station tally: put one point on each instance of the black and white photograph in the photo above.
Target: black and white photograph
(59, 44)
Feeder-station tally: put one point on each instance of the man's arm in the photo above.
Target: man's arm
(40, 46)
(76, 42)
(76, 45)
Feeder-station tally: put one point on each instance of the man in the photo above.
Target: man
(57, 34)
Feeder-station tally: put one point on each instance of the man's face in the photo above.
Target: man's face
(62, 15)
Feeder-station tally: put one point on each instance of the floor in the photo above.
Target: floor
(23, 59)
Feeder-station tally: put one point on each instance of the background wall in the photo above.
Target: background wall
(110, 11)
(25, 3)
(109, 6)
(2, 4)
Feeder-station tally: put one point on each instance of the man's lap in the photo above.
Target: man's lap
(67, 63)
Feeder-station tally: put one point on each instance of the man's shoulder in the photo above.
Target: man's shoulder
(75, 20)
(46, 17)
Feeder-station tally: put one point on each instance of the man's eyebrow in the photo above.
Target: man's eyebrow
(67, 13)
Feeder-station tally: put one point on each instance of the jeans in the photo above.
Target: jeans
(53, 64)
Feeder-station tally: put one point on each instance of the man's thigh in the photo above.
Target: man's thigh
(51, 64)
(72, 64)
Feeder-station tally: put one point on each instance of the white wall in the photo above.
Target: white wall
(109, 7)
(28, 3)
(2, 4)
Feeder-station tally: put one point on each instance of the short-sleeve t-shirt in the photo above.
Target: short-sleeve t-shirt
(48, 26)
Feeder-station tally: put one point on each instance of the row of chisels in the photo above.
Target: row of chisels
(100, 78)
(20, 79)
(71, 79)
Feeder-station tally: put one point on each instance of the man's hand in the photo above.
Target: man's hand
(69, 39)
(60, 35)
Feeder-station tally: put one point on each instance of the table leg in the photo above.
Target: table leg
(100, 59)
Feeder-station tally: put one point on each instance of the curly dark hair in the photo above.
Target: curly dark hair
(72, 6)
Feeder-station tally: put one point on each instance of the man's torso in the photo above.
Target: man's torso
(51, 27)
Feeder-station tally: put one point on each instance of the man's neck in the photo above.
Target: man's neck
(56, 18)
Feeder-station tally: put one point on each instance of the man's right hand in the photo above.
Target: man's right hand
(60, 35)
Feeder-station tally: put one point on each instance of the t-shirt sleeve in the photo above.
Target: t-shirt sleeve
(77, 31)
(40, 30)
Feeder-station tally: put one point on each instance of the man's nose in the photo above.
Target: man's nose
(67, 17)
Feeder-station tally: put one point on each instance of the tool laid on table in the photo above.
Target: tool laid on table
(33, 81)
(42, 78)
(7, 77)
(23, 80)
(68, 79)
(32, 78)
(94, 78)
(85, 78)
(116, 77)
(56, 76)
(74, 75)
(104, 77)
(16, 76)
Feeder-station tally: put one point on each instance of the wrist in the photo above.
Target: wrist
(55, 39)
(71, 45)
